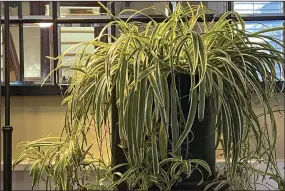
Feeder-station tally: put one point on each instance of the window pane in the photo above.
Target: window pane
(37, 46)
(13, 10)
(153, 7)
(219, 7)
(42, 9)
(14, 53)
(13, 57)
(71, 34)
(259, 8)
(80, 9)
(254, 26)
(38, 9)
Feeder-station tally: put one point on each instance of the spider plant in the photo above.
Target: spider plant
(140, 64)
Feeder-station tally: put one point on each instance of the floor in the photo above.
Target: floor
(22, 180)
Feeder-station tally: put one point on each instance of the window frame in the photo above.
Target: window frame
(267, 17)
(262, 14)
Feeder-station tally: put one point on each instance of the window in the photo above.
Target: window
(30, 64)
(72, 9)
(138, 5)
(259, 8)
(28, 55)
(72, 34)
(263, 9)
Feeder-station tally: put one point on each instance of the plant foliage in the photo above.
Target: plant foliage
(140, 65)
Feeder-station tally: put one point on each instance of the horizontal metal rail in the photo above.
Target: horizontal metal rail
(107, 19)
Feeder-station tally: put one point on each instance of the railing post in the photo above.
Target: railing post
(0, 92)
(118, 156)
(7, 129)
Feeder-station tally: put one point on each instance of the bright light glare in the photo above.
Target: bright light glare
(44, 25)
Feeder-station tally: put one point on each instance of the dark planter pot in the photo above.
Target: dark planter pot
(202, 147)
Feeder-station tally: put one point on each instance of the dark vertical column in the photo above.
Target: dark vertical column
(45, 51)
(283, 72)
(170, 5)
(229, 6)
(21, 43)
(118, 156)
(38, 8)
(99, 27)
(0, 92)
(55, 37)
(7, 129)
(203, 136)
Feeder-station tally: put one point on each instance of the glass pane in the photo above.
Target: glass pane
(14, 54)
(13, 10)
(254, 26)
(259, 8)
(80, 9)
(39, 9)
(220, 7)
(152, 7)
(71, 34)
(37, 46)
(13, 57)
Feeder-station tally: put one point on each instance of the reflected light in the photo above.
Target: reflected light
(44, 25)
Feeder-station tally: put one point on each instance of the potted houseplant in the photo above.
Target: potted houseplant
(224, 68)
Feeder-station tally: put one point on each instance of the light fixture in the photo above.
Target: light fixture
(44, 25)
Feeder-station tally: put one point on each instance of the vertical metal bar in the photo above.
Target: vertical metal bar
(118, 156)
(283, 72)
(114, 140)
(21, 43)
(7, 64)
(283, 75)
(0, 92)
(229, 6)
(38, 8)
(45, 51)
(7, 129)
(55, 38)
(170, 5)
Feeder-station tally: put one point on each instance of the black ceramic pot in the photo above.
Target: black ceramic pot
(202, 147)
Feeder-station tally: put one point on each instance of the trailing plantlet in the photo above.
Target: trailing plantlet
(223, 61)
